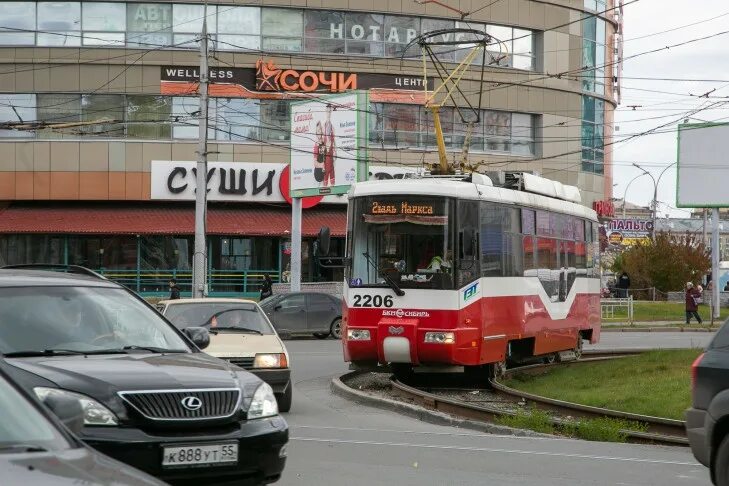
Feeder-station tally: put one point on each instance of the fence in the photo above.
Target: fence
(623, 305)
(333, 288)
(221, 283)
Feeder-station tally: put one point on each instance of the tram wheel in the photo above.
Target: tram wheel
(476, 375)
(498, 370)
(578, 348)
(550, 358)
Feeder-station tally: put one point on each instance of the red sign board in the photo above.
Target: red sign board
(604, 209)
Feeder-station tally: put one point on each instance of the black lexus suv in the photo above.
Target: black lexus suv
(150, 397)
(707, 421)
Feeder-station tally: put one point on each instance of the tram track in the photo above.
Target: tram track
(657, 430)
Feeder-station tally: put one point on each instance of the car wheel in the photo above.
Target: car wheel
(336, 328)
(284, 399)
(321, 335)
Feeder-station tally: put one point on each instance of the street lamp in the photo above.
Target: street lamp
(626, 191)
(654, 204)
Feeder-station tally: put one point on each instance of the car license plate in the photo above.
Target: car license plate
(194, 455)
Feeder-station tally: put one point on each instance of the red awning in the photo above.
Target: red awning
(165, 220)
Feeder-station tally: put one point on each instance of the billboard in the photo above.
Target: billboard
(702, 165)
(326, 145)
(628, 231)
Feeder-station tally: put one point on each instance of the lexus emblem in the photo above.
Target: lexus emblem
(191, 403)
(396, 330)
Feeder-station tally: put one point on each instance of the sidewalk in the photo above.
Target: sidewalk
(660, 326)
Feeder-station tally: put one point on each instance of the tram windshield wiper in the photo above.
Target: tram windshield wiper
(393, 285)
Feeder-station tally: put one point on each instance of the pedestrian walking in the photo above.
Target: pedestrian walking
(623, 285)
(266, 287)
(693, 299)
(174, 290)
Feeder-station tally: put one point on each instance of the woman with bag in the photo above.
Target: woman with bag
(693, 299)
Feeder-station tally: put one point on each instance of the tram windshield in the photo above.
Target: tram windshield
(407, 239)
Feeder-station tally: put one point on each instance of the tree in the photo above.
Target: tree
(667, 262)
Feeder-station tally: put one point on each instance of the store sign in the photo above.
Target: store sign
(240, 181)
(270, 77)
(628, 232)
(604, 209)
(402, 208)
(268, 80)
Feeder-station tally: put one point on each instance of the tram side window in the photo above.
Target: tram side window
(468, 242)
(501, 245)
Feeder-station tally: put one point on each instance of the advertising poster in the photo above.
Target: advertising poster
(628, 232)
(325, 145)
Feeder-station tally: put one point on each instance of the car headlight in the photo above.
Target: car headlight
(263, 403)
(440, 337)
(94, 412)
(358, 334)
(275, 360)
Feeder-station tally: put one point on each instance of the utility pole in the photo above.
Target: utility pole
(199, 260)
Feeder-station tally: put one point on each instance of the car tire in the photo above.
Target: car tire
(284, 399)
(321, 335)
(336, 328)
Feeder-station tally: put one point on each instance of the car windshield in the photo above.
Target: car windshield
(80, 319)
(23, 428)
(219, 315)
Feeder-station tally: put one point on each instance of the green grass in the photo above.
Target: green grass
(663, 311)
(602, 429)
(654, 383)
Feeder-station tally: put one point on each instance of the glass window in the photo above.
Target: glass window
(165, 253)
(398, 32)
(400, 125)
(499, 53)
(186, 117)
(58, 108)
(149, 24)
(445, 53)
(21, 249)
(80, 319)
(324, 32)
(189, 18)
(239, 20)
(238, 119)
(19, 18)
(60, 23)
(17, 108)
(108, 113)
(221, 315)
(296, 301)
(498, 131)
(275, 120)
(364, 34)
(149, 117)
(104, 16)
(528, 225)
(282, 29)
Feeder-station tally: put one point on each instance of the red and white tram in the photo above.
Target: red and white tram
(451, 272)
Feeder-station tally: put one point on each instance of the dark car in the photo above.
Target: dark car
(707, 421)
(150, 397)
(36, 448)
(316, 313)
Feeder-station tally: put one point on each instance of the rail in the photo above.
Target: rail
(659, 430)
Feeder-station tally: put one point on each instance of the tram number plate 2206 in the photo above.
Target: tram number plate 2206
(371, 301)
(199, 455)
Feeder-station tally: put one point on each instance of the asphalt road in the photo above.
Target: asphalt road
(337, 442)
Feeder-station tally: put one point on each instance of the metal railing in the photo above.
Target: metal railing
(608, 307)
(151, 283)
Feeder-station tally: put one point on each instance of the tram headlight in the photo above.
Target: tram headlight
(440, 337)
(358, 335)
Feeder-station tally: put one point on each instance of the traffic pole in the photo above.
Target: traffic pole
(716, 305)
(295, 244)
(199, 266)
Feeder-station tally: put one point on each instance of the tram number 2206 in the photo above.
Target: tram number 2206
(372, 301)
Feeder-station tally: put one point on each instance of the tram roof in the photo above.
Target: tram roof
(468, 190)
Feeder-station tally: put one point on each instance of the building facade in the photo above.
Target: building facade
(98, 109)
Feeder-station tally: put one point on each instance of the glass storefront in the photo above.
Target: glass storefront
(243, 28)
(236, 264)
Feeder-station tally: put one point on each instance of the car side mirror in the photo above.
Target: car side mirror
(284, 335)
(277, 308)
(68, 410)
(198, 335)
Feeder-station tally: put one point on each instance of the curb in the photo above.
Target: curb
(339, 388)
(655, 329)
